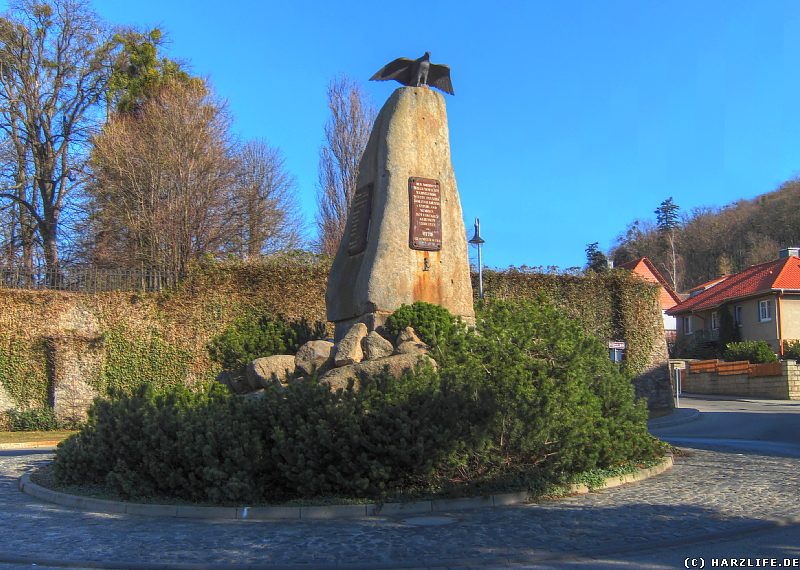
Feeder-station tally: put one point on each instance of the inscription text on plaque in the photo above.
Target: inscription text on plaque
(425, 208)
(360, 212)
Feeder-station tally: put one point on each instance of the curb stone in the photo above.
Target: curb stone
(317, 512)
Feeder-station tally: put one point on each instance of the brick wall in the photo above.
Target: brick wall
(783, 387)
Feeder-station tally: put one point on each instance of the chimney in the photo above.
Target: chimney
(793, 251)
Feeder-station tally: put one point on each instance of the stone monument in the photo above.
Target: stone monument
(404, 240)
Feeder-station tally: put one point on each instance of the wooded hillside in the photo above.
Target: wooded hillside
(714, 241)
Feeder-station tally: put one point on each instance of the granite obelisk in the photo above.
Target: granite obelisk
(404, 240)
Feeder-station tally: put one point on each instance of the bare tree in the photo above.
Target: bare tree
(18, 232)
(162, 181)
(346, 135)
(264, 202)
(54, 70)
(13, 229)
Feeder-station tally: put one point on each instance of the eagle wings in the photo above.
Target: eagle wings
(416, 72)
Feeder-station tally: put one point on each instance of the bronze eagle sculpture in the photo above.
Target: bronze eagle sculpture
(416, 72)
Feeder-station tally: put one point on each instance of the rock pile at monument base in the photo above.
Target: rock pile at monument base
(334, 365)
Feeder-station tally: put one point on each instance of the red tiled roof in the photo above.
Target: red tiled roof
(755, 280)
(708, 284)
(644, 268)
(630, 265)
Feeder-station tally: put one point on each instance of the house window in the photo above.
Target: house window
(686, 325)
(715, 321)
(737, 315)
(764, 311)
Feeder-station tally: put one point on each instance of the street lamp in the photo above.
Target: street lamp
(477, 240)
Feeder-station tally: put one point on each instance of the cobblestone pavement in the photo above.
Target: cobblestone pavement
(707, 494)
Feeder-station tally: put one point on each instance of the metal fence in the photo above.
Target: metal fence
(88, 279)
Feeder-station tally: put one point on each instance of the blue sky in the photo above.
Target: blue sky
(570, 119)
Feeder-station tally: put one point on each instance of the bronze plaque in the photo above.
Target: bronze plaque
(360, 212)
(425, 208)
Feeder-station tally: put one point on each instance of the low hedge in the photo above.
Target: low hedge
(211, 446)
(791, 349)
(754, 351)
(527, 394)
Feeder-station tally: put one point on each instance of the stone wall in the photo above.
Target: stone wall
(653, 381)
(75, 366)
(654, 386)
(783, 387)
(59, 349)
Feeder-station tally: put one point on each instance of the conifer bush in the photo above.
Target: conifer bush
(432, 323)
(302, 442)
(526, 392)
(196, 446)
(249, 339)
(559, 404)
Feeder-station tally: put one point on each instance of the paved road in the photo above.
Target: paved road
(768, 426)
(718, 500)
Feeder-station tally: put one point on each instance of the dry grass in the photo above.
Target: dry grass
(33, 436)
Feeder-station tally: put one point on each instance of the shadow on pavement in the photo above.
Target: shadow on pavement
(490, 537)
(18, 452)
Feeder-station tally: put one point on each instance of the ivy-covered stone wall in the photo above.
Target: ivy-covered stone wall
(136, 337)
(615, 306)
(60, 349)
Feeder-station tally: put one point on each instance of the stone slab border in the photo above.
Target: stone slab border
(317, 512)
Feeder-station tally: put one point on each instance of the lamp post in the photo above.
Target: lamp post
(477, 240)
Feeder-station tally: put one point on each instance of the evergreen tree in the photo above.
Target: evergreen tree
(668, 221)
(728, 331)
(596, 260)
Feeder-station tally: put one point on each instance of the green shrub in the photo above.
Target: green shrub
(559, 403)
(754, 351)
(250, 339)
(36, 419)
(306, 441)
(197, 446)
(432, 323)
(527, 394)
(791, 349)
(389, 435)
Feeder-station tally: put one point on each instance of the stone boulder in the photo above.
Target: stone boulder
(375, 346)
(314, 356)
(270, 370)
(408, 335)
(236, 383)
(338, 378)
(348, 350)
(409, 343)
(257, 394)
